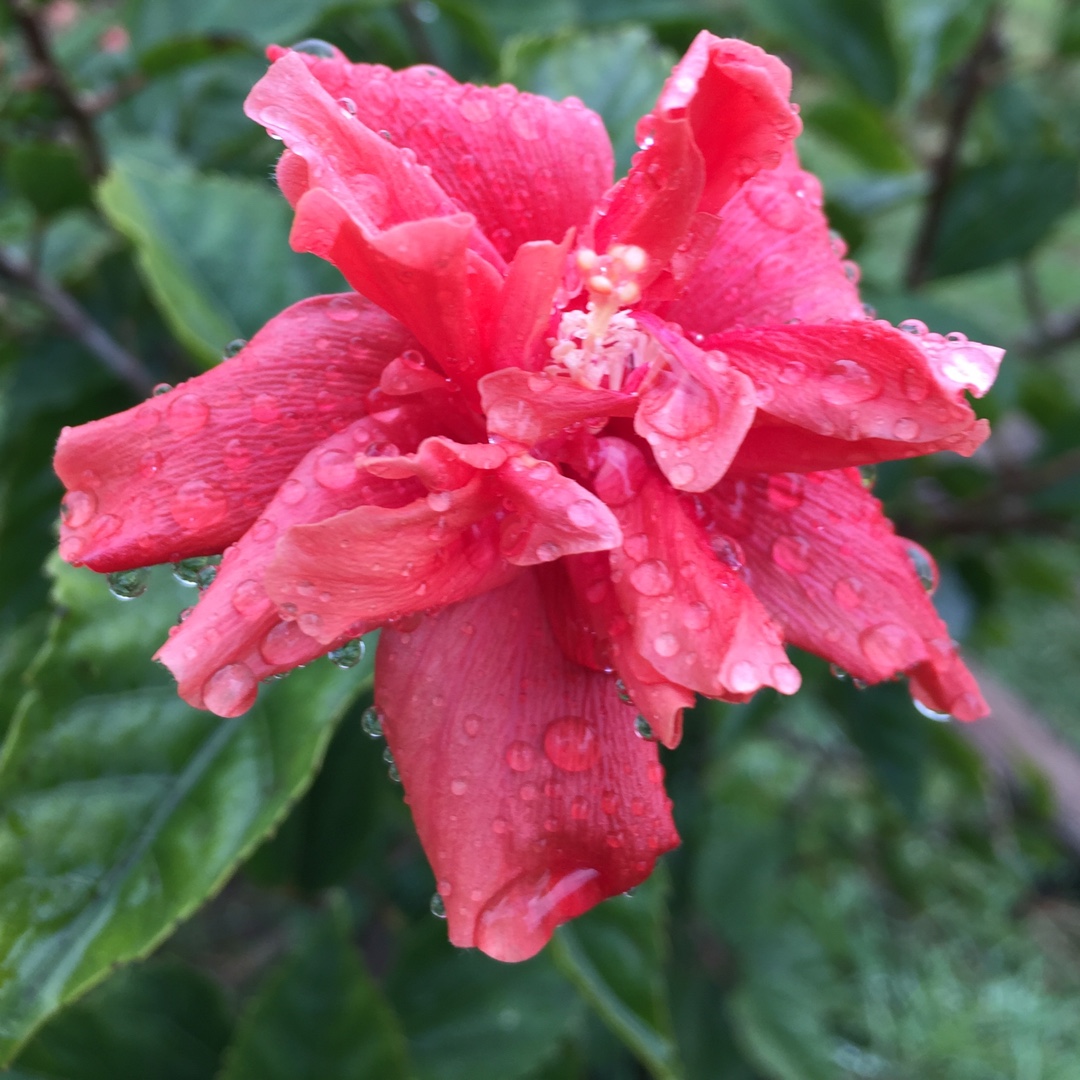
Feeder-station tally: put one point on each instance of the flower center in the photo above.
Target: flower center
(603, 344)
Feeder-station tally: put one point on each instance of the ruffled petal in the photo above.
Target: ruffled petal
(187, 472)
(527, 167)
(528, 407)
(374, 564)
(855, 383)
(694, 619)
(695, 411)
(721, 117)
(422, 272)
(825, 562)
(772, 261)
(550, 514)
(533, 797)
(235, 637)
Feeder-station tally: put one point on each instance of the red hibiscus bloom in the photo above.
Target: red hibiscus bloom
(582, 450)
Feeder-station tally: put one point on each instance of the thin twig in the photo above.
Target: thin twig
(1031, 293)
(416, 32)
(971, 80)
(75, 322)
(37, 41)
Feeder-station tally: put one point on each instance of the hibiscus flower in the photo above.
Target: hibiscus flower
(583, 450)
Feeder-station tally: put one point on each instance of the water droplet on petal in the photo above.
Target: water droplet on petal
(520, 756)
(579, 808)
(128, 584)
(371, 721)
(643, 730)
(651, 578)
(696, 616)
(77, 508)
(792, 553)
(458, 787)
(849, 593)
(923, 562)
(265, 408)
(666, 644)
(316, 47)
(681, 474)
(847, 382)
(931, 714)
(890, 647)
(231, 690)
(187, 414)
(439, 501)
(571, 743)
(438, 908)
(785, 490)
(198, 504)
(348, 655)
(907, 429)
(786, 678)
(335, 469)
(743, 678)
(792, 372)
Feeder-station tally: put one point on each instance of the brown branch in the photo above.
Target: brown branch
(29, 20)
(76, 323)
(971, 80)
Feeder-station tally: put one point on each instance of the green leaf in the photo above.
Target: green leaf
(862, 129)
(849, 38)
(776, 1014)
(615, 955)
(319, 1016)
(618, 73)
(468, 1017)
(1002, 210)
(49, 175)
(163, 1020)
(124, 809)
(214, 249)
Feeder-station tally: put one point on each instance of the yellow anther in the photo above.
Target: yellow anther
(602, 284)
(587, 260)
(634, 260)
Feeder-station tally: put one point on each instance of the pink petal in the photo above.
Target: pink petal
(526, 305)
(527, 167)
(187, 472)
(533, 798)
(550, 515)
(235, 628)
(772, 261)
(374, 564)
(826, 564)
(695, 413)
(378, 184)
(528, 407)
(722, 116)
(693, 617)
(422, 272)
(852, 383)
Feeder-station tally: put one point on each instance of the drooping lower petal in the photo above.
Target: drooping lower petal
(851, 383)
(187, 472)
(694, 619)
(235, 637)
(533, 797)
(825, 562)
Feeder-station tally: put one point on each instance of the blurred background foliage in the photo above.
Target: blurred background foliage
(861, 891)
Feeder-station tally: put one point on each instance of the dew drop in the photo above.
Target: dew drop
(128, 584)
(292, 492)
(849, 593)
(316, 47)
(233, 348)
(471, 724)
(231, 690)
(265, 408)
(906, 429)
(890, 647)
(572, 744)
(743, 678)
(197, 572)
(681, 474)
(666, 644)
(696, 615)
(198, 504)
(458, 786)
(792, 373)
(624, 694)
(438, 908)
(643, 730)
(77, 508)
(785, 490)
(335, 469)
(792, 553)
(187, 414)
(236, 455)
(786, 678)
(651, 578)
(838, 673)
(348, 655)
(520, 756)
(579, 808)
(371, 721)
(931, 714)
(439, 501)
(847, 382)
(249, 598)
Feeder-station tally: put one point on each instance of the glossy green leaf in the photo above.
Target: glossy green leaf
(618, 73)
(213, 249)
(851, 39)
(319, 1015)
(615, 955)
(162, 1020)
(1002, 210)
(468, 1017)
(862, 129)
(124, 808)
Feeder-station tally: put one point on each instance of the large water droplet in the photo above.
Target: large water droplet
(348, 655)
(890, 647)
(743, 678)
(923, 562)
(651, 578)
(231, 690)
(666, 644)
(187, 414)
(643, 730)
(198, 504)
(371, 721)
(906, 429)
(792, 553)
(265, 408)
(572, 744)
(849, 593)
(197, 572)
(77, 508)
(233, 348)
(128, 584)
(335, 469)
(315, 47)
(847, 382)
(438, 908)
